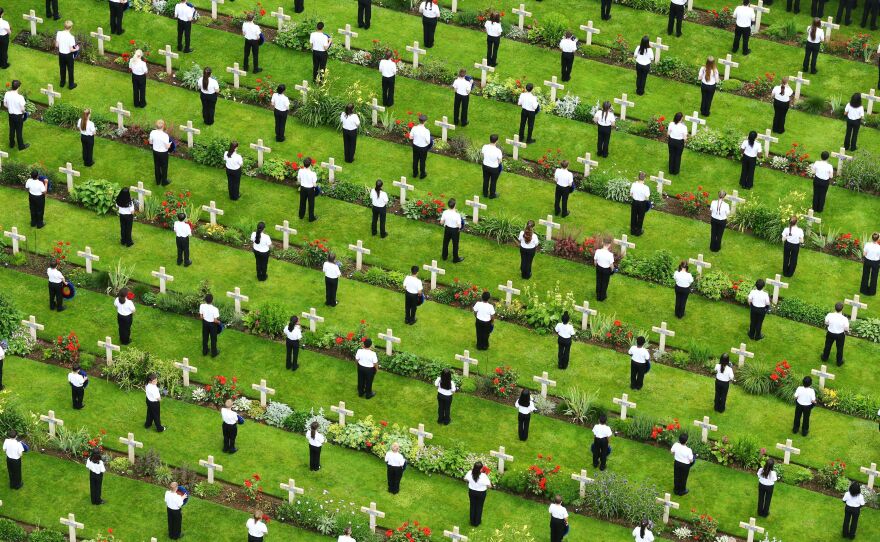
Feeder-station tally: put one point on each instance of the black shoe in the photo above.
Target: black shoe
(23, 147)
(384, 235)
(313, 219)
(72, 86)
(413, 322)
(258, 70)
(232, 451)
(458, 260)
(370, 395)
(57, 17)
(62, 309)
(162, 429)
(187, 263)
(215, 354)
(565, 214)
(530, 141)
(423, 175)
(187, 50)
(493, 196)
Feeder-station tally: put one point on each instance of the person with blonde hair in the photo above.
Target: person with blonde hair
(256, 528)
(87, 137)
(67, 49)
(395, 466)
(138, 68)
(708, 78)
(161, 143)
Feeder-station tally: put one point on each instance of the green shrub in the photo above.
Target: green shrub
(617, 189)
(857, 404)
(862, 173)
(296, 421)
(722, 143)
(120, 465)
(762, 220)
(73, 442)
(794, 474)
(99, 195)
(700, 353)
(191, 77)
(10, 531)
(754, 377)
(713, 284)
(658, 267)
(380, 277)
(549, 31)
(675, 68)
(14, 173)
(501, 229)
(45, 535)
(866, 328)
(580, 406)
(638, 428)
(268, 319)
(204, 490)
(209, 151)
(62, 114)
(132, 366)
(746, 451)
(296, 35)
(813, 104)
(10, 317)
(348, 191)
(801, 311)
(611, 496)
(274, 168)
(654, 6)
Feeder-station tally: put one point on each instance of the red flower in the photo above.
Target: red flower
(248, 484)
(338, 340)
(383, 423)
(774, 377)
(131, 42)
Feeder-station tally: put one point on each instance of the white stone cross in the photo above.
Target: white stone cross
(291, 489)
(70, 173)
(476, 206)
(303, 89)
(421, 434)
(841, 158)
(759, 9)
(521, 11)
(871, 97)
(588, 163)
(788, 449)
(624, 403)
(777, 284)
(264, 390)
(212, 210)
(658, 48)
(810, 218)
(454, 535)
(121, 113)
(163, 277)
(214, 8)
(545, 381)
(663, 334)
(434, 270)
(550, 225)
(509, 291)
(695, 121)
(517, 145)
(286, 232)
(260, 148)
(856, 305)
(50, 93)
(416, 51)
(342, 411)
(132, 444)
(3, 154)
(52, 421)
(190, 131)
(211, 466)
(332, 168)
(101, 37)
(734, 199)
(313, 319)
(502, 457)
(454, 7)
(554, 86)
(624, 244)
(375, 109)
(586, 312)
(829, 25)
(485, 69)
(582, 479)
(390, 341)
(70, 521)
(348, 35)
(141, 192)
(109, 348)
(32, 17)
(623, 103)
(33, 326)
(661, 181)
(169, 56)
(467, 361)
(89, 257)
(751, 528)
(822, 373)
(590, 30)
(728, 63)
(767, 139)
(236, 73)
(186, 368)
(16, 237)
(699, 263)
(798, 81)
(705, 427)
(404, 186)
(359, 250)
(667, 503)
(742, 353)
(872, 473)
(282, 17)
(237, 296)
(444, 125)
(373, 513)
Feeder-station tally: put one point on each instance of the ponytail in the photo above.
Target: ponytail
(477, 470)
(232, 146)
(259, 233)
(813, 28)
(379, 184)
(313, 430)
(206, 76)
(528, 233)
(84, 119)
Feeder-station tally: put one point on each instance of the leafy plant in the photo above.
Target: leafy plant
(277, 413)
(801, 311)
(131, 367)
(580, 405)
(793, 474)
(862, 173)
(10, 531)
(503, 381)
(99, 195)
(62, 114)
(713, 284)
(268, 319)
(754, 377)
(813, 104)
(657, 267)
(204, 490)
(209, 151)
(611, 496)
(867, 328)
(501, 229)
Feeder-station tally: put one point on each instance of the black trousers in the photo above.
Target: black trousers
(801, 412)
(850, 140)
(567, 65)
(388, 90)
(789, 258)
(77, 395)
(37, 205)
(484, 329)
(477, 500)
(1, 374)
(319, 63)
(307, 196)
(154, 415)
(676, 148)
(52, 8)
(871, 7)
(56, 300)
(676, 16)
(230, 432)
(4, 51)
(160, 167)
(780, 110)
(765, 495)
(88, 149)
(557, 529)
(184, 29)
(797, 5)
(314, 457)
(411, 304)
(444, 409)
(209, 331)
(233, 183)
(637, 374)
(490, 180)
(680, 477)
(175, 523)
(182, 249)
(747, 174)
(707, 93)
(394, 476)
(330, 287)
(743, 33)
(850, 520)
(292, 358)
(450, 235)
(526, 117)
(280, 124)
(262, 261)
(365, 380)
(117, 10)
(365, 13)
(600, 452)
(429, 26)
(526, 256)
(379, 216)
(605, 9)
(717, 232)
(681, 298)
(642, 71)
(811, 56)
(847, 5)
(721, 389)
(95, 482)
(251, 47)
(563, 352)
(837, 339)
(492, 44)
(560, 200)
(756, 320)
(298, 6)
(16, 131)
(209, 104)
(13, 466)
(817, 8)
(124, 323)
(603, 140)
(603, 277)
(820, 190)
(460, 109)
(419, 158)
(349, 144)
(125, 224)
(65, 66)
(870, 270)
(522, 425)
(637, 210)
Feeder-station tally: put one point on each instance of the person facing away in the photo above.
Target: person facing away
(804, 401)
(256, 527)
(871, 265)
(643, 533)
(766, 481)
(601, 442)
(853, 503)
(719, 210)
(837, 327)
(759, 303)
(524, 406)
(558, 519)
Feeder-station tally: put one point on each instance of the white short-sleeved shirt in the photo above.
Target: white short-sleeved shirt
(563, 177)
(683, 279)
(89, 129)
(152, 393)
(528, 244)
(378, 199)
(125, 308)
(601, 430)
(331, 270)
(66, 42)
(682, 453)
(820, 35)
(603, 258)
(744, 15)
(319, 40)
(566, 331)
(420, 135)
(250, 30)
(77, 380)
(294, 334)
(228, 416)
(5, 29)
(782, 95)
(712, 78)
(484, 311)
(443, 391)
(528, 409)
(645, 58)
(604, 119)
(173, 500)
(527, 101)
(233, 162)
(493, 29)
(97, 468)
(54, 275)
(492, 155)
(451, 219)
(183, 12)
(871, 251)
(640, 191)
(307, 178)
(14, 102)
(13, 448)
(759, 298)
(429, 10)
(854, 113)
(345, 538)
(462, 86)
(280, 102)
(318, 441)
(35, 187)
(769, 480)
(388, 68)
(482, 482)
(836, 322)
(723, 376)
(256, 529)
(182, 229)
(823, 170)
(127, 210)
(854, 501)
(793, 235)
(213, 86)
(558, 511)
(350, 122)
(677, 130)
(366, 357)
(265, 243)
(805, 396)
(637, 535)
(639, 354)
(138, 66)
(209, 312)
(412, 284)
(719, 209)
(750, 150)
(394, 459)
(160, 141)
(568, 45)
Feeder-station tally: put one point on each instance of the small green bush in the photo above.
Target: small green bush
(862, 173)
(10, 316)
(14, 173)
(204, 490)
(268, 319)
(754, 377)
(348, 191)
(867, 328)
(62, 114)
(501, 229)
(99, 195)
(549, 31)
(656, 268)
(794, 474)
(209, 151)
(801, 311)
(45, 535)
(713, 284)
(10, 531)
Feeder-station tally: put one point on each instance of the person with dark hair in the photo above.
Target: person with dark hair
(782, 95)
(640, 195)
(96, 468)
(5, 32)
(854, 501)
(847, 5)
(117, 10)
(125, 310)
(125, 207)
(368, 366)
(256, 527)
(293, 337)
(15, 105)
(262, 244)
(493, 37)
(677, 135)
(676, 16)
(154, 398)
(492, 157)
(484, 321)
(793, 238)
(316, 440)
(452, 223)
(184, 12)
(604, 260)
(139, 69)
(421, 144)
(412, 291)
(37, 187)
(759, 303)
(805, 400)
(643, 533)
(78, 381)
(743, 17)
(56, 286)
(524, 406)
(639, 359)
(478, 485)
(253, 39)
(564, 187)
(445, 389)
(230, 421)
(708, 78)
(67, 47)
(823, 171)
(870, 265)
(750, 148)
(175, 498)
(346, 535)
(564, 334)
(605, 121)
(854, 113)
(182, 233)
(320, 42)
(210, 316)
(308, 183)
(280, 106)
(837, 327)
(767, 478)
(815, 37)
(684, 460)
(601, 446)
(209, 90)
(388, 70)
(719, 210)
(871, 8)
(87, 136)
(161, 144)
(331, 279)
(568, 45)
(396, 464)
(430, 14)
(234, 163)
(723, 377)
(462, 87)
(350, 122)
(644, 56)
(14, 449)
(529, 106)
(558, 519)
(365, 13)
(683, 281)
(528, 247)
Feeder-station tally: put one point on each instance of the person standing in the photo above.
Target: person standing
(37, 187)
(78, 381)
(750, 148)
(14, 449)
(452, 223)
(564, 334)
(379, 206)
(96, 468)
(182, 233)
(346, 535)
(759, 306)
(743, 16)
(823, 171)
(644, 56)
(430, 13)
(870, 265)
(815, 37)
(368, 366)
(412, 291)
(253, 39)
(184, 12)
(605, 121)
(797, 5)
(528, 246)
(117, 10)
(601, 442)
(308, 183)
(230, 420)
(462, 86)
(351, 123)
(280, 106)
(793, 238)
(161, 144)
(837, 327)
(321, 43)
(175, 498)
(52, 9)
(421, 144)
(299, 6)
(564, 187)
(15, 105)
(2, 357)
(642, 533)
(639, 359)
(558, 519)
(847, 5)
(87, 137)
(478, 485)
(719, 210)
(723, 377)
(683, 281)
(676, 16)
(293, 337)
(853, 503)
(871, 7)
(528, 110)
(817, 8)
(395, 465)
(604, 260)
(804, 401)
(234, 163)
(388, 70)
(261, 244)
(125, 208)
(67, 49)
(210, 316)
(605, 10)
(365, 13)
(684, 460)
(445, 389)
(492, 157)
(767, 478)
(708, 78)
(781, 95)
(677, 136)
(640, 193)
(256, 528)
(138, 68)
(854, 114)
(154, 398)
(484, 313)
(332, 272)
(316, 441)
(524, 406)
(569, 46)
(56, 286)
(125, 310)
(493, 38)
(5, 31)
(209, 90)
